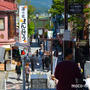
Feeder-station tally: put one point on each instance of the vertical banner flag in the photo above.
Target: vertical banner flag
(23, 37)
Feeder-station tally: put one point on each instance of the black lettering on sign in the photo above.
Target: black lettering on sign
(23, 31)
(23, 9)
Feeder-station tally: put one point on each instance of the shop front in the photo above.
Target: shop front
(8, 62)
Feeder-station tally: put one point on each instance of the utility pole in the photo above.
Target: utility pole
(23, 65)
(65, 15)
(65, 43)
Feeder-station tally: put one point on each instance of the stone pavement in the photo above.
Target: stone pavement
(13, 84)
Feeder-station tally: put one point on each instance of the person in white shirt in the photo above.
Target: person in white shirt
(88, 81)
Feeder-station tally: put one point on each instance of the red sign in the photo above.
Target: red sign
(23, 52)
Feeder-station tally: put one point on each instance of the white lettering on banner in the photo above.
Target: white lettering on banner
(23, 24)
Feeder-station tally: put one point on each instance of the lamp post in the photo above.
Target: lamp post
(65, 14)
(50, 19)
(37, 16)
(65, 43)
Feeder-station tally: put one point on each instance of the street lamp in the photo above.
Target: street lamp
(50, 15)
(37, 16)
(50, 19)
(36, 26)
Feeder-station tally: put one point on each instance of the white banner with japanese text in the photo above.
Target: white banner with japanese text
(23, 32)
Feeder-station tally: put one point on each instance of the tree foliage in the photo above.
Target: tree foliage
(18, 1)
(31, 28)
(47, 26)
(31, 10)
(31, 25)
(77, 19)
(57, 7)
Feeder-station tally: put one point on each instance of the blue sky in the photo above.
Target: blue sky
(44, 3)
(39, 4)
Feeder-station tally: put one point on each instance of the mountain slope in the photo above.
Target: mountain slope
(40, 5)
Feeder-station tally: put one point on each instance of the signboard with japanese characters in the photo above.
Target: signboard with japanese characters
(67, 35)
(75, 8)
(23, 37)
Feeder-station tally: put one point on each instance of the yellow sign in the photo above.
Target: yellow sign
(25, 6)
(21, 20)
(25, 41)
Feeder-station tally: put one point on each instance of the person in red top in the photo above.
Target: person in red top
(66, 72)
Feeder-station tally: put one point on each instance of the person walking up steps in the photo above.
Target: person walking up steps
(18, 70)
(32, 59)
(27, 72)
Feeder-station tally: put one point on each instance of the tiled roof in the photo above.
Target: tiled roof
(7, 6)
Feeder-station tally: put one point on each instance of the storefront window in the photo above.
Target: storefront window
(2, 24)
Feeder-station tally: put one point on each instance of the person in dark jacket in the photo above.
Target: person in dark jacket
(18, 70)
(43, 62)
(32, 62)
(67, 72)
(37, 53)
(47, 62)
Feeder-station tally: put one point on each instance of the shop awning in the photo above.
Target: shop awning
(7, 47)
(7, 6)
(22, 45)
